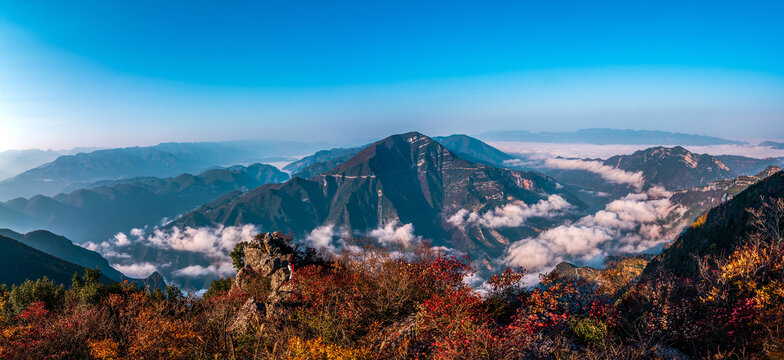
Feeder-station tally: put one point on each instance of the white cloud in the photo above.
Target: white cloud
(121, 239)
(392, 233)
(607, 172)
(137, 233)
(322, 238)
(139, 271)
(632, 224)
(221, 270)
(106, 249)
(215, 242)
(459, 218)
(511, 215)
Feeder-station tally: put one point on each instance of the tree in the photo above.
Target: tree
(41, 290)
(218, 287)
(238, 255)
(88, 289)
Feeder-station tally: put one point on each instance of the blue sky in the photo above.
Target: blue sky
(98, 73)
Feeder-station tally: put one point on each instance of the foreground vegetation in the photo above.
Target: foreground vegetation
(376, 304)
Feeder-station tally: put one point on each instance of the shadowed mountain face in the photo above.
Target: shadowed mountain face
(40, 253)
(19, 262)
(407, 178)
(105, 208)
(64, 249)
(473, 150)
(719, 230)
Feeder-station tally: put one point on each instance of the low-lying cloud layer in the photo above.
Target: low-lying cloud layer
(139, 271)
(633, 224)
(609, 173)
(214, 242)
(332, 239)
(541, 151)
(395, 233)
(511, 215)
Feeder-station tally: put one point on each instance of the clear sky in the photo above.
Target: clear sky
(117, 73)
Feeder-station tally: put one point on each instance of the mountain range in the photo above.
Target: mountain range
(403, 179)
(100, 210)
(773, 144)
(455, 191)
(163, 160)
(320, 162)
(673, 168)
(607, 136)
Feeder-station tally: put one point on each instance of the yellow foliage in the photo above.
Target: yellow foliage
(161, 337)
(317, 349)
(106, 349)
(3, 301)
(742, 263)
(700, 221)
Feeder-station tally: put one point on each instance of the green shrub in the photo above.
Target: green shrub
(238, 255)
(218, 287)
(88, 289)
(43, 290)
(587, 330)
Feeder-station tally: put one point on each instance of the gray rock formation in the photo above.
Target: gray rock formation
(267, 271)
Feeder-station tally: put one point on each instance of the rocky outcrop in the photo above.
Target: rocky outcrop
(267, 271)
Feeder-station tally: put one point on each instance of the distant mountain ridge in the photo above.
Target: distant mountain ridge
(98, 212)
(473, 150)
(605, 136)
(743, 165)
(674, 168)
(406, 179)
(320, 162)
(163, 160)
(773, 144)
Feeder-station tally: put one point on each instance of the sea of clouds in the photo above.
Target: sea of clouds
(511, 215)
(635, 223)
(543, 151)
(215, 243)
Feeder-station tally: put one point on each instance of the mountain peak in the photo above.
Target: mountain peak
(770, 170)
(410, 151)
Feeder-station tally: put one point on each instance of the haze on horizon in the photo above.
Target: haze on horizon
(109, 74)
